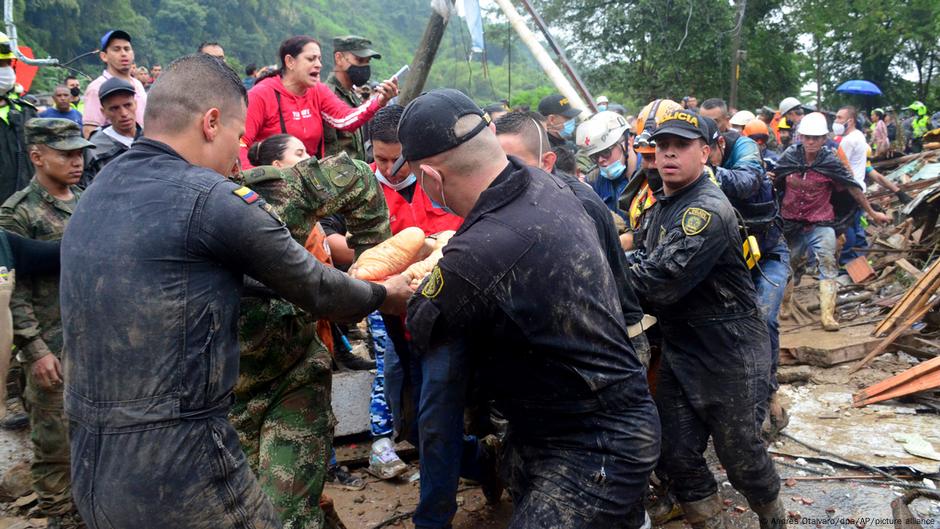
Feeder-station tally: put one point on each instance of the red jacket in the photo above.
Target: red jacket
(303, 115)
(419, 212)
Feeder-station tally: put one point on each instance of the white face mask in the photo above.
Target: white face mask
(407, 181)
(7, 79)
(838, 129)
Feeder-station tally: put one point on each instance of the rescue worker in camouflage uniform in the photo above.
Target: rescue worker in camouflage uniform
(282, 411)
(351, 57)
(41, 211)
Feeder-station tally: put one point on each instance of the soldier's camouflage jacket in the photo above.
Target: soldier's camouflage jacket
(273, 333)
(34, 213)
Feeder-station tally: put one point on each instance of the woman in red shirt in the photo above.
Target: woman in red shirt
(295, 102)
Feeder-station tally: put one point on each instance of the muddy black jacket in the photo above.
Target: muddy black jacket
(525, 290)
(153, 262)
(607, 233)
(693, 267)
(698, 284)
(15, 168)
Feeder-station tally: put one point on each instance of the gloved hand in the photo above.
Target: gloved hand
(903, 197)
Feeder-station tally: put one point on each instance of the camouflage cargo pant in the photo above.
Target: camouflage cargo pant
(50, 438)
(286, 431)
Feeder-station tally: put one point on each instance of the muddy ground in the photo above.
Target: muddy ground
(809, 491)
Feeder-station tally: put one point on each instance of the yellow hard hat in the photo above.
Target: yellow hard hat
(782, 124)
(6, 52)
(647, 121)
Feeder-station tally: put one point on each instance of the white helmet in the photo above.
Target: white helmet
(602, 99)
(789, 104)
(814, 124)
(742, 118)
(600, 132)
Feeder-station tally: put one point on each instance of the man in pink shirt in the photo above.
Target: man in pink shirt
(118, 55)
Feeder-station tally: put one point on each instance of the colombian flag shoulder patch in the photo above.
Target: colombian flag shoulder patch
(246, 194)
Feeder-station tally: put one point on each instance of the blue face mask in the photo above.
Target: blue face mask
(602, 107)
(434, 202)
(614, 170)
(568, 131)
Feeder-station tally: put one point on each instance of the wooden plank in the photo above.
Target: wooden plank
(901, 378)
(922, 383)
(895, 334)
(919, 292)
(824, 349)
(909, 268)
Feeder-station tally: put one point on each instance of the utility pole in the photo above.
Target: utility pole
(737, 53)
(560, 53)
(541, 56)
(424, 57)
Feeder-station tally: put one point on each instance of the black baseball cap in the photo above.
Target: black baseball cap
(427, 125)
(685, 124)
(557, 104)
(711, 126)
(114, 86)
(111, 35)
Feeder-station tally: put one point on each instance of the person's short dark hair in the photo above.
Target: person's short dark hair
(565, 160)
(205, 44)
(251, 69)
(384, 125)
(268, 150)
(70, 78)
(715, 102)
(190, 86)
(853, 112)
(529, 126)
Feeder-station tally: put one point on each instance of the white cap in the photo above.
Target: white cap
(814, 124)
(742, 118)
(602, 99)
(600, 132)
(789, 104)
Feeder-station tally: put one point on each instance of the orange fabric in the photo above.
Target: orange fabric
(316, 245)
(773, 126)
(642, 201)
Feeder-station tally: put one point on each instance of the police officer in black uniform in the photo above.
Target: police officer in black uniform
(716, 355)
(152, 272)
(524, 296)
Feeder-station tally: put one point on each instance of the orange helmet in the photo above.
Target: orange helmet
(756, 129)
(647, 121)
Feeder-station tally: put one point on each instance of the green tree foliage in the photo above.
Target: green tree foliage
(644, 49)
(252, 30)
(641, 49)
(877, 41)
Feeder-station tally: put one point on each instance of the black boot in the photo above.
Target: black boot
(348, 361)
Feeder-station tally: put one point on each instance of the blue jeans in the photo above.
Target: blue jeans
(854, 238)
(380, 417)
(445, 452)
(820, 242)
(771, 282)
